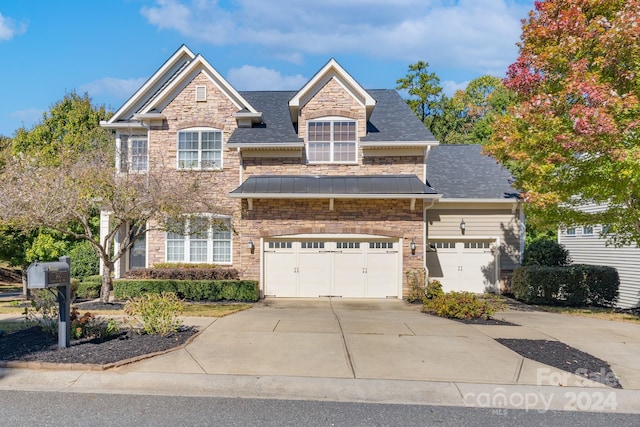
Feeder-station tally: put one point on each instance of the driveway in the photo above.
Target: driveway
(363, 339)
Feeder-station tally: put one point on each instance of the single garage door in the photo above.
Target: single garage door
(468, 265)
(321, 267)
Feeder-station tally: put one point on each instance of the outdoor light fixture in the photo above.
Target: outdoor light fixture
(252, 247)
(412, 245)
(462, 225)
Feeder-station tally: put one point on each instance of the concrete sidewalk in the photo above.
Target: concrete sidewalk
(374, 351)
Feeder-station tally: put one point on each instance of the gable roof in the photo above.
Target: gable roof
(160, 88)
(464, 172)
(331, 70)
(392, 122)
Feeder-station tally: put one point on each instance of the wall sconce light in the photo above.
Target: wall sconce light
(412, 245)
(251, 246)
(463, 226)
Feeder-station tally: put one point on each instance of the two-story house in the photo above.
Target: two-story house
(328, 190)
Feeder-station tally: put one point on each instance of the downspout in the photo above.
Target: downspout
(424, 236)
(523, 231)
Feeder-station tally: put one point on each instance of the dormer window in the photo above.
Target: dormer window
(200, 149)
(332, 141)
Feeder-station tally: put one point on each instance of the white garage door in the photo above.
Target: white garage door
(463, 265)
(320, 267)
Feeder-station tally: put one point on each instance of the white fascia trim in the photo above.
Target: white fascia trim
(470, 200)
(262, 146)
(256, 117)
(148, 116)
(333, 196)
(397, 144)
(161, 71)
(215, 77)
(122, 125)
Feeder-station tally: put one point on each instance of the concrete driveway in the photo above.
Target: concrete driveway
(362, 339)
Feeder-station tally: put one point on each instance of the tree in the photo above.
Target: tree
(424, 90)
(573, 138)
(63, 184)
(467, 117)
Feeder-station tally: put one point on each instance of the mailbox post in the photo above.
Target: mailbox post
(43, 275)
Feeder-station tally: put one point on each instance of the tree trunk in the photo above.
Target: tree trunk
(107, 268)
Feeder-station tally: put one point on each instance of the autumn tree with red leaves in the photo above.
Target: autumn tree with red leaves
(573, 139)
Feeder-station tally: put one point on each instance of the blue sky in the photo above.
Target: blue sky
(109, 48)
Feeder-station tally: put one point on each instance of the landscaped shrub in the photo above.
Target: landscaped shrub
(196, 290)
(545, 252)
(156, 313)
(464, 305)
(184, 272)
(90, 326)
(574, 285)
(417, 285)
(89, 288)
(434, 289)
(84, 261)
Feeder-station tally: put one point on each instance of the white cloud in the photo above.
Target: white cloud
(8, 28)
(28, 117)
(249, 77)
(471, 34)
(117, 88)
(449, 87)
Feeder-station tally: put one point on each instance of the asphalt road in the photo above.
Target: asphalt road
(18, 408)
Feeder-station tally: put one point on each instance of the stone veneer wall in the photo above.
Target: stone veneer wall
(184, 112)
(391, 218)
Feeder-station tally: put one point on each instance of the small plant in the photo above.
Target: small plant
(90, 326)
(465, 305)
(156, 313)
(417, 285)
(43, 311)
(434, 289)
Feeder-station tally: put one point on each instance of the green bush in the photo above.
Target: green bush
(84, 261)
(545, 252)
(182, 272)
(89, 288)
(464, 305)
(573, 285)
(434, 289)
(195, 290)
(156, 313)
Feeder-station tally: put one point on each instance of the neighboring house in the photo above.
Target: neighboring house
(328, 190)
(587, 245)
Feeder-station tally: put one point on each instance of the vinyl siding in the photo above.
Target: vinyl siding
(493, 223)
(585, 249)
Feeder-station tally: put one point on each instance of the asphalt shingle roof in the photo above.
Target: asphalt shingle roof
(463, 171)
(391, 120)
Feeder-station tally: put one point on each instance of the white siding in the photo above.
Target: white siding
(585, 249)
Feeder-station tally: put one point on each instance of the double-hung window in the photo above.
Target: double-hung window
(200, 240)
(134, 154)
(332, 141)
(200, 149)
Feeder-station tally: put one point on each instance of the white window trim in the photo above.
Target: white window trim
(123, 146)
(201, 93)
(200, 130)
(130, 141)
(332, 120)
(210, 240)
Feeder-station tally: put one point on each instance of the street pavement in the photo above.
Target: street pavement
(383, 351)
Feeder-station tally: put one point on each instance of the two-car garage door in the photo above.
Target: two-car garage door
(325, 267)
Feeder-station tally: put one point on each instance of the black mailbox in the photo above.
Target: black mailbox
(42, 275)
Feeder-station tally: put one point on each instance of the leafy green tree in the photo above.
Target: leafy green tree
(61, 174)
(424, 91)
(573, 139)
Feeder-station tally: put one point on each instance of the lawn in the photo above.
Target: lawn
(593, 312)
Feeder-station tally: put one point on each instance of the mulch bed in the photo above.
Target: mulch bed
(483, 321)
(564, 357)
(35, 345)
